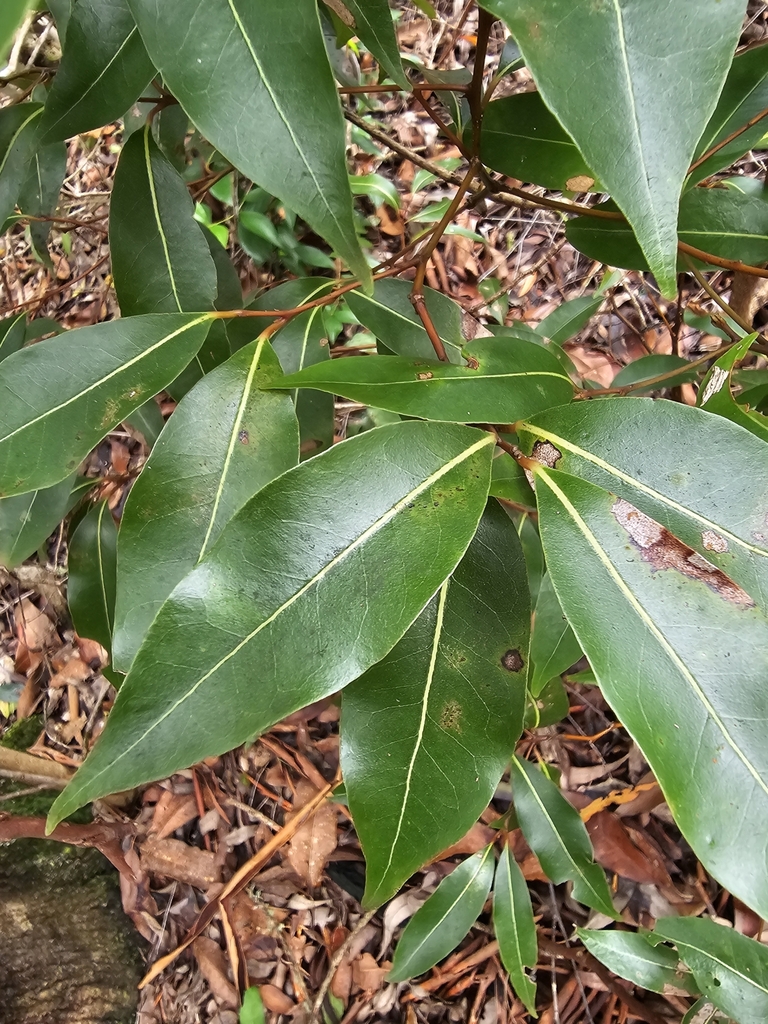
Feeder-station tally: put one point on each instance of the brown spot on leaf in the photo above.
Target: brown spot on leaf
(424, 376)
(243, 437)
(546, 453)
(662, 550)
(512, 660)
(472, 363)
(450, 716)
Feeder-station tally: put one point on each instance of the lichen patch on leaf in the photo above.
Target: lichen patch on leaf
(662, 550)
(546, 453)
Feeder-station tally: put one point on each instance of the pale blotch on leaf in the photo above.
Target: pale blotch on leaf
(714, 542)
(662, 550)
(450, 716)
(424, 376)
(580, 183)
(714, 384)
(546, 453)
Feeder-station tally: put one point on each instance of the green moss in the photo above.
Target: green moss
(22, 734)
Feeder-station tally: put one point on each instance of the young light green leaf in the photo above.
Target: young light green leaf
(632, 955)
(19, 135)
(672, 475)
(730, 969)
(428, 732)
(92, 570)
(515, 928)
(234, 68)
(641, 146)
(252, 1010)
(58, 398)
(554, 648)
(556, 834)
(501, 381)
(695, 628)
(104, 69)
(224, 441)
(441, 923)
(744, 96)
(725, 222)
(715, 393)
(391, 318)
(295, 600)
(27, 519)
(372, 23)
(523, 139)
(12, 331)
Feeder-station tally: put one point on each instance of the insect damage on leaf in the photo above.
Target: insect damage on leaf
(450, 716)
(664, 551)
(546, 453)
(714, 542)
(512, 660)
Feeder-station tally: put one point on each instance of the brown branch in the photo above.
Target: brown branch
(106, 838)
(353, 90)
(719, 261)
(403, 151)
(442, 126)
(485, 22)
(727, 140)
(658, 379)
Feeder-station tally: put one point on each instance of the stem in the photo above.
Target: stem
(718, 261)
(728, 139)
(659, 378)
(728, 310)
(485, 23)
(443, 127)
(403, 151)
(353, 90)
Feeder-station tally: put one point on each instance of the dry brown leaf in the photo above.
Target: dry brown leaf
(616, 850)
(315, 840)
(33, 627)
(174, 859)
(72, 671)
(275, 999)
(478, 837)
(367, 975)
(213, 967)
(172, 811)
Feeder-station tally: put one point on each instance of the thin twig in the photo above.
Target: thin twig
(335, 961)
(727, 140)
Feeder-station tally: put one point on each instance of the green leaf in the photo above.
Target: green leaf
(26, 520)
(12, 334)
(92, 565)
(637, 61)
(19, 134)
(11, 16)
(730, 969)
(58, 398)
(390, 317)
(441, 923)
(515, 928)
(691, 639)
(295, 600)
(225, 440)
(509, 480)
(378, 189)
(744, 96)
(148, 420)
(554, 648)
(255, 80)
(104, 69)
(648, 367)
(252, 1010)
(39, 194)
(634, 446)
(715, 392)
(549, 706)
(372, 24)
(724, 222)
(633, 956)
(522, 138)
(556, 834)
(569, 317)
(428, 732)
(501, 382)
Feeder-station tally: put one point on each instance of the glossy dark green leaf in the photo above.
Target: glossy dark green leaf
(372, 23)
(58, 398)
(61, 11)
(744, 96)
(554, 648)
(637, 61)
(229, 291)
(27, 519)
(715, 392)
(103, 70)
(428, 732)
(39, 194)
(254, 78)
(523, 139)
(441, 923)
(12, 334)
(390, 317)
(303, 342)
(694, 698)
(313, 581)
(92, 570)
(556, 834)
(730, 969)
(509, 481)
(501, 381)
(19, 135)
(649, 367)
(632, 956)
(148, 420)
(515, 928)
(161, 262)
(670, 461)
(224, 441)
(569, 317)
(724, 222)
